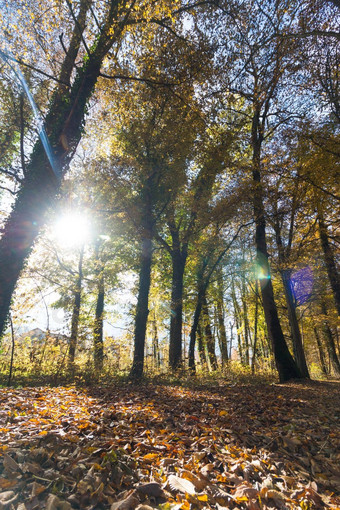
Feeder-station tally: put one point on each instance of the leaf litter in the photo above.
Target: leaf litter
(121, 448)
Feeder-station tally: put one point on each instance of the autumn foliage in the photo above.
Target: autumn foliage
(121, 447)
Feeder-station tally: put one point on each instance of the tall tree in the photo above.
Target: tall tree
(63, 126)
(268, 62)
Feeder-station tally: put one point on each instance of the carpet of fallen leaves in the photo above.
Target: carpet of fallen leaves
(151, 446)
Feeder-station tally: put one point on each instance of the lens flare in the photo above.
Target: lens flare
(302, 284)
(72, 229)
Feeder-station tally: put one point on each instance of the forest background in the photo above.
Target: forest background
(181, 157)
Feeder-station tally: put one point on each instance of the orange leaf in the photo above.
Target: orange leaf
(150, 457)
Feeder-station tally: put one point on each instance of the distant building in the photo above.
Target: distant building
(38, 336)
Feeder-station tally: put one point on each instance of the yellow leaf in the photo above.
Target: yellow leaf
(222, 413)
(203, 497)
(185, 505)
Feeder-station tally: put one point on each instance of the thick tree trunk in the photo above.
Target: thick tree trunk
(299, 352)
(285, 364)
(332, 270)
(76, 312)
(142, 309)
(63, 124)
(209, 337)
(176, 320)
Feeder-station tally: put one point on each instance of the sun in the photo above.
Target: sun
(72, 229)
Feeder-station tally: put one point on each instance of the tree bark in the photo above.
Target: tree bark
(220, 319)
(9, 380)
(142, 310)
(155, 345)
(98, 352)
(285, 364)
(209, 338)
(255, 327)
(298, 348)
(245, 320)
(237, 322)
(176, 320)
(76, 311)
(201, 347)
(329, 338)
(194, 327)
(98, 344)
(321, 352)
(332, 270)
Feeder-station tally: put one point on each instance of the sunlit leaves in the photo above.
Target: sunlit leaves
(143, 446)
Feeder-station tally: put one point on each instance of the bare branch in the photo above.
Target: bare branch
(7, 57)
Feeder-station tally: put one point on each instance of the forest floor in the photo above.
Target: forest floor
(123, 447)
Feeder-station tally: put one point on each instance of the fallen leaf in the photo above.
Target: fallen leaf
(152, 489)
(129, 503)
(181, 485)
(10, 464)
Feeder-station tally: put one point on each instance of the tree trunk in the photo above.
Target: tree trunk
(321, 352)
(245, 321)
(155, 345)
(9, 380)
(76, 312)
(64, 124)
(299, 352)
(98, 353)
(142, 309)
(98, 345)
(221, 325)
(329, 338)
(332, 270)
(255, 327)
(237, 322)
(175, 347)
(194, 327)
(209, 336)
(201, 347)
(285, 364)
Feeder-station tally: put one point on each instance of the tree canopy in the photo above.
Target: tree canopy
(201, 142)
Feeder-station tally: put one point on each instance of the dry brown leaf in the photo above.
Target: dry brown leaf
(181, 485)
(10, 464)
(272, 494)
(199, 483)
(37, 489)
(7, 484)
(52, 502)
(152, 489)
(129, 503)
(245, 490)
